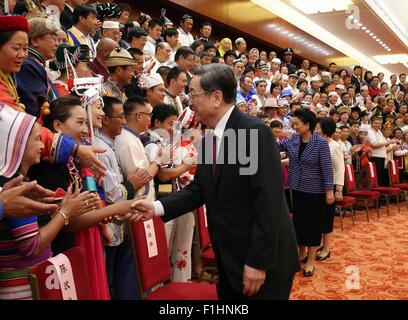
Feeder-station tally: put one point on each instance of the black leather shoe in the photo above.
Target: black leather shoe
(320, 258)
(308, 273)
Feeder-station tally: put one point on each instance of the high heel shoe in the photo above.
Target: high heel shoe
(308, 273)
(320, 258)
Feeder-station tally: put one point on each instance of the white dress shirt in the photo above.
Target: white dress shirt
(218, 133)
(336, 152)
(375, 137)
(149, 49)
(186, 39)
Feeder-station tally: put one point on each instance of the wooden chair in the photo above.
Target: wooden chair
(360, 194)
(155, 270)
(386, 192)
(44, 288)
(395, 179)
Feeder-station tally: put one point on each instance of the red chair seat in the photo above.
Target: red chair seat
(346, 202)
(208, 257)
(185, 291)
(402, 186)
(387, 190)
(365, 194)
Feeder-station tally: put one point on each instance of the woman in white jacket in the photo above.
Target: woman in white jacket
(328, 128)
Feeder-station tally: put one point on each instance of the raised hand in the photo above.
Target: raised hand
(16, 203)
(87, 156)
(138, 178)
(76, 204)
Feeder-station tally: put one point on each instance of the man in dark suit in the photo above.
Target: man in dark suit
(356, 78)
(248, 219)
(66, 18)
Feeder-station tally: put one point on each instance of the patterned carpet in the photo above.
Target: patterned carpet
(368, 261)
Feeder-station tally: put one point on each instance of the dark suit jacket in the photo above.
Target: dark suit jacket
(248, 218)
(66, 18)
(356, 82)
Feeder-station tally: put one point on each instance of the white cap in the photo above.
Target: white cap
(326, 74)
(153, 80)
(364, 88)
(315, 78)
(341, 87)
(285, 77)
(276, 60)
(333, 93)
(110, 25)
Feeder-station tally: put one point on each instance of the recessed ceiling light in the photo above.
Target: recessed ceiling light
(388, 49)
(371, 34)
(364, 28)
(360, 24)
(355, 21)
(374, 37)
(350, 17)
(278, 28)
(368, 31)
(381, 42)
(384, 45)
(378, 40)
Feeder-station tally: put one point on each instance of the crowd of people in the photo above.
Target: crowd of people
(101, 151)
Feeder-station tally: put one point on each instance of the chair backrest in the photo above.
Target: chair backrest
(150, 253)
(372, 175)
(393, 172)
(45, 283)
(350, 178)
(202, 227)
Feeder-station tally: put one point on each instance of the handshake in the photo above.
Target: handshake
(143, 210)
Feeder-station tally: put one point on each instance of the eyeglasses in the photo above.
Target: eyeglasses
(194, 95)
(145, 113)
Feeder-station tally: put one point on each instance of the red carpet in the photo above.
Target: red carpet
(376, 250)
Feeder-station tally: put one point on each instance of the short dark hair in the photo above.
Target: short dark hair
(402, 74)
(328, 126)
(332, 112)
(375, 77)
(344, 127)
(307, 117)
(353, 122)
(249, 69)
(204, 54)
(124, 7)
(218, 77)
(135, 52)
(183, 51)
(344, 94)
(161, 112)
(300, 82)
(131, 103)
(136, 33)
(229, 53)
(60, 109)
(196, 44)
(216, 59)
(153, 23)
(170, 32)
(108, 103)
(210, 45)
(173, 74)
(357, 67)
(274, 85)
(294, 103)
(206, 23)
(83, 10)
(163, 71)
(314, 65)
(276, 124)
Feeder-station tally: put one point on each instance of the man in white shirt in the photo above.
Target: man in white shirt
(171, 36)
(162, 56)
(362, 96)
(241, 46)
(176, 84)
(186, 25)
(154, 32)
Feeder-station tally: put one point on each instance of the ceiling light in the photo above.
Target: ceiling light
(360, 24)
(368, 31)
(384, 45)
(355, 21)
(315, 6)
(350, 16)
(378, 40)
(381, 42)
(364, 28)
(371, 34)
(374, 37)
(389, 50)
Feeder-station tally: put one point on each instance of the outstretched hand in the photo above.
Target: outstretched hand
(143, 210)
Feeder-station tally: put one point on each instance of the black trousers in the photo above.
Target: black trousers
(381, 172)
(268, 291)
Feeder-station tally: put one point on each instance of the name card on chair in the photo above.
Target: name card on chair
(63, 267)
(150, 238)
